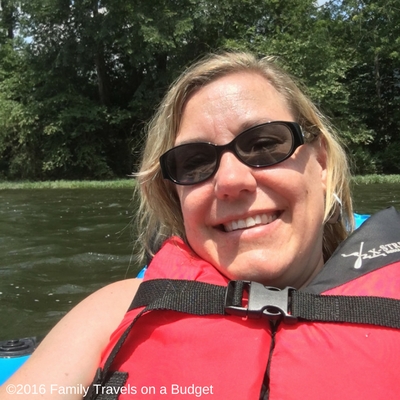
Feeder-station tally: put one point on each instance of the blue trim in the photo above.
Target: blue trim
(360, 218)
(142, 272)
(9, 365)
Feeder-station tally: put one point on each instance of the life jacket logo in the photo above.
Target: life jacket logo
(382, 251)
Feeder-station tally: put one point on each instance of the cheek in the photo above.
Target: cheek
(312, 160)
(305, 183)
(194, 205)
(315, 191)
(184, 205)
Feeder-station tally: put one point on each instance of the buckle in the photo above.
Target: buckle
(264, 301)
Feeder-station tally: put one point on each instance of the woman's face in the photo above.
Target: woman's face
(259, 224)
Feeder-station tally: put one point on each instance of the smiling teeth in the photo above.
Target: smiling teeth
(263, 219)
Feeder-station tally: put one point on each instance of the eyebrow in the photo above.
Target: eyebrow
(243, 127)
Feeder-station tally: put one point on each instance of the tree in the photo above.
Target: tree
(78, 78)
(371, 30)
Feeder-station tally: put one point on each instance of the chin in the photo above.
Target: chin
(259, 274)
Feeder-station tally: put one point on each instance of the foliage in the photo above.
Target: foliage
(78, 79)
(371, 30)
(63, 184)
(376, 179)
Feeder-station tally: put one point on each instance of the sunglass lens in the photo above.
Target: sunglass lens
(191, 163)
(265, 145)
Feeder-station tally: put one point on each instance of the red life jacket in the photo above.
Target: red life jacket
(171, 355)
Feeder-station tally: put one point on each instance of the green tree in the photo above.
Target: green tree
(74, 95)
(371, 32)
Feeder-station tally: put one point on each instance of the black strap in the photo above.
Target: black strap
(190, 297)
(200, 298)
(103, 376)
(369, 310)
(290, 305)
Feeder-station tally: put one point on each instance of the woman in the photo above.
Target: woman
(251, 185)
(162, 207)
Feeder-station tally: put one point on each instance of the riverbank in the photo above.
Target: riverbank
(115, 184)
(370, 179)
(130, 183)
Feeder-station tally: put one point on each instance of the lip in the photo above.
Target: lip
(248, 222)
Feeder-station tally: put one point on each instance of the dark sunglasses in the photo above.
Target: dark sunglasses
(260, 146)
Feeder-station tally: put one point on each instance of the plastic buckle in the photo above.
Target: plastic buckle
(264, 301)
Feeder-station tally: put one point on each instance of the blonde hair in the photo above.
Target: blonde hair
(159, 213)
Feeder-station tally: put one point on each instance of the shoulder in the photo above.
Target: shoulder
(102, 311)
(111, 299)
(70, 353)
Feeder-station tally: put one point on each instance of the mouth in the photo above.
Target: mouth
(249, 222)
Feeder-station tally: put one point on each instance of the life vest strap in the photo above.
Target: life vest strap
(254, 300)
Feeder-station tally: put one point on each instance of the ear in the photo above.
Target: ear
(322, 158)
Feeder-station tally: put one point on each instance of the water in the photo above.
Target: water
(58, 246)
(369, 199)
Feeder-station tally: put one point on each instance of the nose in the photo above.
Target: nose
(233, 177)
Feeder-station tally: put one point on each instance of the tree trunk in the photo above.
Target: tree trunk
(377, 79)
(8, 20)
(102, 78)
(101, 69)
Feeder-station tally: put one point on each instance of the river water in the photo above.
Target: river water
(58, 246)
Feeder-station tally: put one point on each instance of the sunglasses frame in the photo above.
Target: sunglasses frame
(294, 128)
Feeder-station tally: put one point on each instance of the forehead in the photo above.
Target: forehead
(229, 105)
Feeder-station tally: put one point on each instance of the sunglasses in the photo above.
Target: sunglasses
(260, 146)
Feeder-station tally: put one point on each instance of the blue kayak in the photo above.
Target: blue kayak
(13, 353)
(359, 219)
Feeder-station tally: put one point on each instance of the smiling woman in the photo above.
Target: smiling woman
(289, 194)
(161, 207)
(246, 209)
